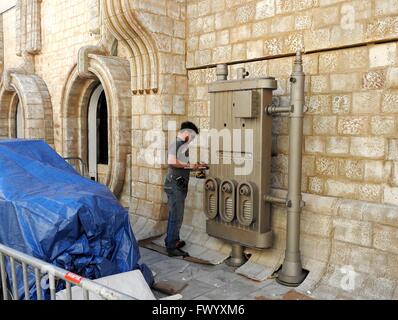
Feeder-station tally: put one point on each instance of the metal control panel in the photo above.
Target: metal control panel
(234, 199)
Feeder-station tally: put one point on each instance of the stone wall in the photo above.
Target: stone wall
(65, 29)
(236, 30)
(350, 132)
(165, 20)
(11, 60)
(350, 176)
(350, 127)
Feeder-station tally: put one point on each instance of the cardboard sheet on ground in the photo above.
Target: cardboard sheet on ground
(254, 271)
(49, 211)
(199, 251)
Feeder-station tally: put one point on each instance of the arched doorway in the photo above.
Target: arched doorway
(26, 109)
(98, 140)
(107, 146)
(19, 121)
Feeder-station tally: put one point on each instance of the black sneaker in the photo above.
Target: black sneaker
(180, 244)
(177, 253)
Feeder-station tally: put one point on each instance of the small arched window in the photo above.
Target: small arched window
(19, 122)
(97, 131)
(102, 131)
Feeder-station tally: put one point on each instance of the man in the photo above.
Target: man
(176, 186)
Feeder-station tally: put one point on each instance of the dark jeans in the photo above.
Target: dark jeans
(176, 192)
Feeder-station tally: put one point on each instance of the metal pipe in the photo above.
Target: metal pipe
(222, 72)
(3, 277)
(52, 286)
(241, 73)
(14, 279)
(292, 273)
(68, 291)
(25, 281)
(274, 110)
(275, 200)
(38, 284)
(237, 256)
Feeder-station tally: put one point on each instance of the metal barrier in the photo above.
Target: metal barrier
(83, 170)
(39, 269)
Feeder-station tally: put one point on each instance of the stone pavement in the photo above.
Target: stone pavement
(212, 282)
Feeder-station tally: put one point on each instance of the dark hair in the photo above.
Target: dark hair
(189, 126)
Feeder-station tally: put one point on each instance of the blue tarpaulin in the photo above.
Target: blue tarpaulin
(49, 211)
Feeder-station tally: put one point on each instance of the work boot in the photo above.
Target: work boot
(180, 244)
(177, 253)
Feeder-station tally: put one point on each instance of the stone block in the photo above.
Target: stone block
(320, 84)
(316, 224)
(351, 169)
(325, 125)
(326, 166)
(374, 80)
(316, 185)
(370, 192)
(264, 9)
(337, 145)
(366, 102)
(345, 82)
(383, 126)
(382, 55)
(390, 102)
(245, 14)
(368, 147)
(319, 104)
(392, 78)
(376, 170)
(386, 238)
(356, 232)
(341, 104)
(353, 125)
(341, 189)
(314, 145)
(391, 196)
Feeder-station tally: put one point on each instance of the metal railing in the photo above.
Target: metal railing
(83, 169)
(40, 270)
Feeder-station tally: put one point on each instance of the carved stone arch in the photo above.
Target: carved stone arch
(114, 75)
(32, 93)
(121, 19)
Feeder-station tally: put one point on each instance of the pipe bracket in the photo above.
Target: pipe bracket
(275, 200)
(273, 109)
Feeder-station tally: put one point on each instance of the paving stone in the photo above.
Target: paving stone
(235, 290)
(272, 290)
(219, 278)
(196, 289)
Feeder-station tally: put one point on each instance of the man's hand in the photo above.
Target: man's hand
(198, 166)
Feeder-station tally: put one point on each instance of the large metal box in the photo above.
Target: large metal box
(234, 203)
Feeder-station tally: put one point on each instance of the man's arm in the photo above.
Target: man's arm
(175, 163)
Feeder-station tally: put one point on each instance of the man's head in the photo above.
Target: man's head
(188, 131)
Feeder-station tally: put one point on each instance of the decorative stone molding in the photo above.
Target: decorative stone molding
(33, 95)
(21, 84)
(1, 44)
(105, 47)
(114, 75)
(28, 27)
(121, 19)
(95, 16)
